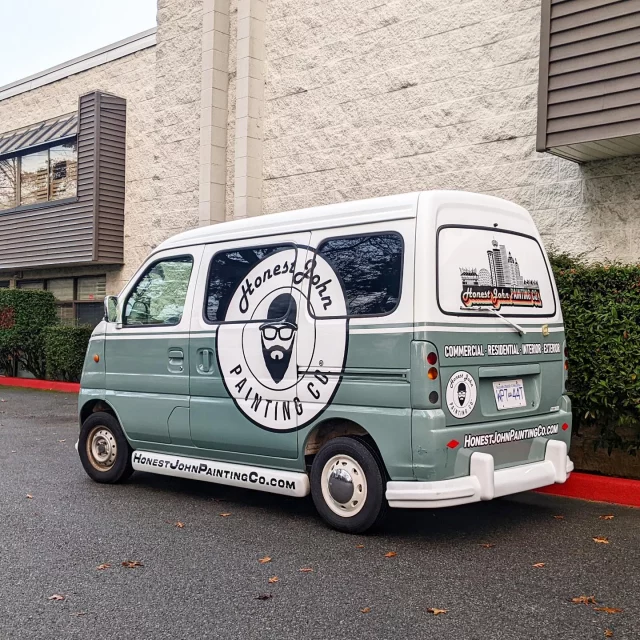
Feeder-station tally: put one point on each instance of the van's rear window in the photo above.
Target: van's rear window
(480, 269)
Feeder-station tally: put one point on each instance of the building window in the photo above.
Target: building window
(80, 300)
(4, 284)
(370, 267)
(41, 176)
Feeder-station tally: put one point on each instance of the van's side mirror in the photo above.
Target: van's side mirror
(111, 308)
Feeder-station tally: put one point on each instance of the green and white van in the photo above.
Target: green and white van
(405, 351)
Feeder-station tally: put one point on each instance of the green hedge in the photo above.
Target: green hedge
(65, 349)
(24, 314)
(601, 307)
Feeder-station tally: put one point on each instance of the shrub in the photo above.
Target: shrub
(65, 349)
(601, 307)
(23, 316)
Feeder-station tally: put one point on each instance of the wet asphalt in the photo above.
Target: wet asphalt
(203, 580)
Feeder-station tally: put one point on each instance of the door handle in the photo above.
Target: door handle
(176, 360)
(205, 361)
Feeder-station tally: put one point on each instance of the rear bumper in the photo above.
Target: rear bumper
(483, 481)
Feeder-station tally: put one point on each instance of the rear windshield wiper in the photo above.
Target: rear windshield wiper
(517, 327)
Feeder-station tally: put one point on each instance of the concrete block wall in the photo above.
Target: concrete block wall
(373, 97)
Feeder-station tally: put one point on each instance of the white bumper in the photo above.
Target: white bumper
(483, 481)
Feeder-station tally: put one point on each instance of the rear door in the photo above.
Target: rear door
(245, 339)
(483, 272)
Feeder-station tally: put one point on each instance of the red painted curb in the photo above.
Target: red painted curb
(43, 385)
(587, 486)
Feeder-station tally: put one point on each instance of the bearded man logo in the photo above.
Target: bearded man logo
(462, 393)
(278, 335)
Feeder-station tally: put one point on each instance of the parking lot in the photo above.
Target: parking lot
(204, 579)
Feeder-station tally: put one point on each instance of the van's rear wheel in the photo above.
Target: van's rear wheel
(348, 485)
(104, 450)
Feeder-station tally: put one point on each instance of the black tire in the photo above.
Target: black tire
(373, 508)
(104, 429)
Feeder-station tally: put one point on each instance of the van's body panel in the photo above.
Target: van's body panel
(372, 369)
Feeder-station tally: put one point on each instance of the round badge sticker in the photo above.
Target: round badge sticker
(461, 394)
(281, 350)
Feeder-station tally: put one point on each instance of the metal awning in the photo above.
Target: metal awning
(40, 133)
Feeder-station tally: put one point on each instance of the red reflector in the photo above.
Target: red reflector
(565, 426)
(452, 444)
(432, 358)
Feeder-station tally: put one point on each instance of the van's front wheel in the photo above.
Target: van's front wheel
(348, 485)
(104, 450)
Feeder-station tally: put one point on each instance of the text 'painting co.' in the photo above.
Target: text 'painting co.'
(283, 343)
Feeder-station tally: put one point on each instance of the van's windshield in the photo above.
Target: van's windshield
(482, 268)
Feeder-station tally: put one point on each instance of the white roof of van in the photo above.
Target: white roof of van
(338, 215)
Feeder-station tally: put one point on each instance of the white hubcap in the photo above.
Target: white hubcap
(102, 448)
(344, 486)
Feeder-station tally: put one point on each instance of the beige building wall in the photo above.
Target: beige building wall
(367, 97)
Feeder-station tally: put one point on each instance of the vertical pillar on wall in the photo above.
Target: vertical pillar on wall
(249, 108)
(213, 116)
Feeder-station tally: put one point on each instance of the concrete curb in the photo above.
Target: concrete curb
(587, 486)
(42, 385)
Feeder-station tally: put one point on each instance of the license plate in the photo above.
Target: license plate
(509, 394)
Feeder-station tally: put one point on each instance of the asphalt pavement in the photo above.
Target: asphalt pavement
(203, 580)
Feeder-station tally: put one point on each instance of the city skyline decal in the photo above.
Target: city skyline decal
(499, 285)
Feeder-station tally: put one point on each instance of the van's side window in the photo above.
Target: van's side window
(227, 270)
(370, 267)
(160, 294)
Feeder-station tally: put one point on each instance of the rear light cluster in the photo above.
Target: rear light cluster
(566, 358)
(432, 374)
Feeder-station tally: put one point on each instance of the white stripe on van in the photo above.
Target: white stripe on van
(288, 483)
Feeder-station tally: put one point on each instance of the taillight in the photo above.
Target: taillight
(566, 365)
(432, 374)
(432, 358)
(566, 352)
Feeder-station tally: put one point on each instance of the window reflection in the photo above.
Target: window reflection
(8, 183)
(64, 171)
(34, 172)
(371, 270)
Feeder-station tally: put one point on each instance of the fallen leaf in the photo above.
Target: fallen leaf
(608, 633)
(132, 564)
(14, 452)
(78, 613)
(274, 579)
(306, 570)
(56, 597)
(584, 600)
(225, 515)
(437, 612)
(264, 596)
(365, 610)
(390, 554)
(559, 517)
(264, 560)
(601, 539)
(539, 565)
(607, 609)
(2, 400)
(61, 440)
(180, 525)
(359, 546)
(102, 567)
(487, 545)
(29, 496)
(608, 517)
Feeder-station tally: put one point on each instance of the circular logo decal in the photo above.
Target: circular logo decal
(282, 350)
(461, 394)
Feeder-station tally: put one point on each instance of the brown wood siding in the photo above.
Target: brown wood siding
(89, 229)
(589, 78)
(111, 148)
